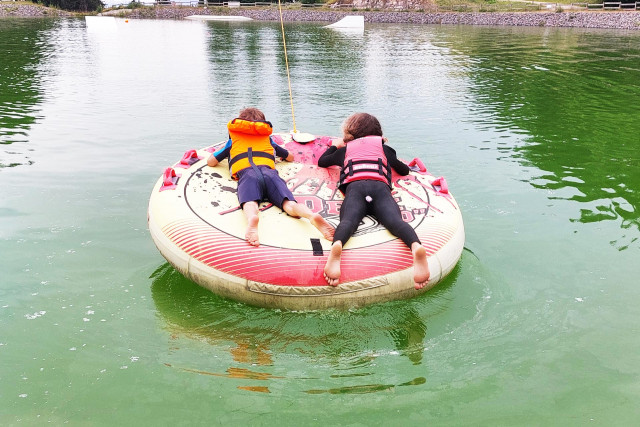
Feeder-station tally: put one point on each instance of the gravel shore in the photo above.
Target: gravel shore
(621, 20)
(629, 20)
(30, 11)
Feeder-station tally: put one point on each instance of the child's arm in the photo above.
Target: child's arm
(397, 165)
(219, 155)
(334, 156)
(282, 152)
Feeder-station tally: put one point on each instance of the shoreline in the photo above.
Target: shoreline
(625, 20)
(10, 10)
(589, 19)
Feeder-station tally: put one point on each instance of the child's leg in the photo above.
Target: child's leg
(332, 267)
(353, 209)
(249, 193)
(296, 209)
(279, 194)
(386, 210)
(250, 210)
(420, 265)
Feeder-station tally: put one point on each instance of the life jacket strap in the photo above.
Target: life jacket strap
(387, 172)
(245, 155)
(258, 172)
(381, 169)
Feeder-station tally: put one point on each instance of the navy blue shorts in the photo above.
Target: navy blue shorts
(249, 187)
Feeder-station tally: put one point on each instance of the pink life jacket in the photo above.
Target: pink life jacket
(365, 159)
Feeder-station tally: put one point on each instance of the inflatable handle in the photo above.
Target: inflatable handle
(188, 156)
(417, 162)
(277, 139)
(444, 188)
(168, 176)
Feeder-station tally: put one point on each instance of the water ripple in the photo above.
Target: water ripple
(573, 96)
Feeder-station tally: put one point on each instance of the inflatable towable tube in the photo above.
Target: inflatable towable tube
(196, 223)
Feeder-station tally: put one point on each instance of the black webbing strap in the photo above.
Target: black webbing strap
(388, 168)
(317, 247)
(256, 169)
(350, 167)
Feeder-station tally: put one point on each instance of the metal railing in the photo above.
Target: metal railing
(207, 3)
(609, 5)
(171, 3)
(501, 6)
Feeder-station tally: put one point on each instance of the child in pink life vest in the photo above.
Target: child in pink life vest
(365, 181)
(251, 154)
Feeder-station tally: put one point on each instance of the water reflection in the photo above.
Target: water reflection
(256, 332)
(315, 55)
(367, 388)
(23, 45)
(350, 341)
(574, 94)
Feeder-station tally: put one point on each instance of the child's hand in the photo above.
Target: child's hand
(338, 142)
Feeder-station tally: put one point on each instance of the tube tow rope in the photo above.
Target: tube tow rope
(286, 61)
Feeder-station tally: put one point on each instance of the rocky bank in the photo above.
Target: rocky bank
(629, 20)
(11, 9)
(622, 20)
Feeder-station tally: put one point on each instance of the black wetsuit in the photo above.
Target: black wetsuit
(382, 205)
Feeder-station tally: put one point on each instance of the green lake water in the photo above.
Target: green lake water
(537, 131)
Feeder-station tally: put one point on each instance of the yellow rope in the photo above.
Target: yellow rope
(284, 43)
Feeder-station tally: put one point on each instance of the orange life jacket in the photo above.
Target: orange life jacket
(250, 145)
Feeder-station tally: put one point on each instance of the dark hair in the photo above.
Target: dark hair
(359, 125)
(252, 114)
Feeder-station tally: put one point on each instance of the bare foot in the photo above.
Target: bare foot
(420, 266)
(252, 231)
(323, 226)
(332, 267)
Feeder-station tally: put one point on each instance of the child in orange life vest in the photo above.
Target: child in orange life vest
(365, 181)
(251, 154)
